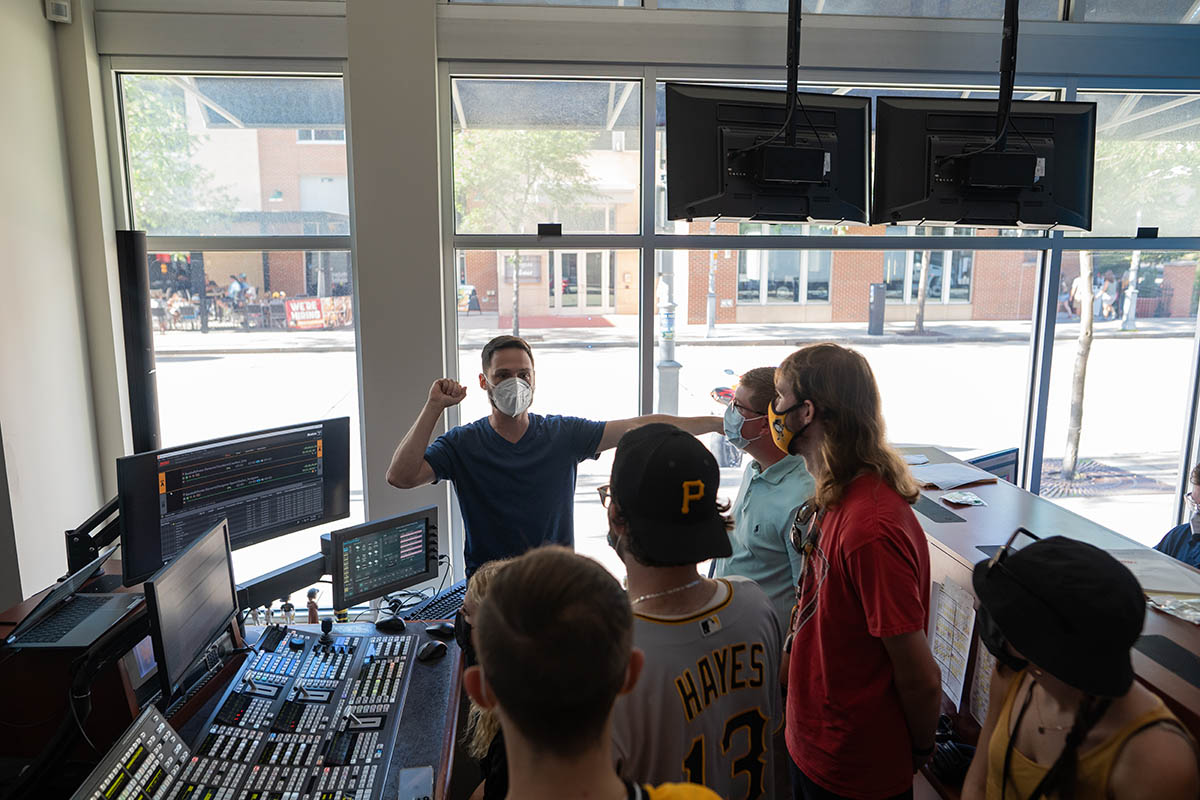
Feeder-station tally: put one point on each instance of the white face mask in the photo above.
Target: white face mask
(512, 396)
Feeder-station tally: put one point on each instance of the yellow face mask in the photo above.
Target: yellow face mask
(780, 432)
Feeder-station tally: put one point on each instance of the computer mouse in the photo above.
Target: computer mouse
(390, 623)
(442, 630)
(431, 650)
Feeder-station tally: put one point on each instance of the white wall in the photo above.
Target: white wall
(51, 471)
(391, 80)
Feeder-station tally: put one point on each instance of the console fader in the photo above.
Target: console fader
(302, 721)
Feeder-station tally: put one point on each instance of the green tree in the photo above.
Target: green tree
(1161, 178)
(507, 181)
(172, 194)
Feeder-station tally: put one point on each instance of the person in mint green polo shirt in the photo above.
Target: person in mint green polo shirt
(773, 486)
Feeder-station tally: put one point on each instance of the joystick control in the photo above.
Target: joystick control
(326, 627)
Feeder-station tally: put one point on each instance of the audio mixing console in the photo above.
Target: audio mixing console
(304, 720)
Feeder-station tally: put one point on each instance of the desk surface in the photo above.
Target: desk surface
(954, 551)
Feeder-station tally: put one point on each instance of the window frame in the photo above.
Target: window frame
(649, 241)
(1146, 64)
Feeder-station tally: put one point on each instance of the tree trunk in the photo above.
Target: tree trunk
(516, 257)
(1075, 423)
(922, 291)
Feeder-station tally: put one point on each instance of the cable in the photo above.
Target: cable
(22, 725)
(793, 98)
(75, 715)
(1008, 67)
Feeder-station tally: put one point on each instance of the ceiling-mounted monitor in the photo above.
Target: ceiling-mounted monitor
(729, 157)
(936, 163)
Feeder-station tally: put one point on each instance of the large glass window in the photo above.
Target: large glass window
(1161, 11)
(247, 336)
(1119, 398)
(970, 9)
(546, 151)
(781, 276)
(720, 312)
(982, 348)
(947, 276)
(1147, 163)
(235, 155)
(553, 2)
(241, 344)
(580, 315)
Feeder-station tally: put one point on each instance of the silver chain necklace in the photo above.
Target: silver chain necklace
(653, 595)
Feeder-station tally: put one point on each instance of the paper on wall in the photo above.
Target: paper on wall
(953, 625)
(981, 685)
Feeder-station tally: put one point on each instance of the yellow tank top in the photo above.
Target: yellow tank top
(1093, 769)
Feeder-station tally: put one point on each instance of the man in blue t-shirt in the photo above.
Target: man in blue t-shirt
(1183, 541)
(514, 471)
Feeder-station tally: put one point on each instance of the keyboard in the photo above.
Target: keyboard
(440, 606)
(61, 622)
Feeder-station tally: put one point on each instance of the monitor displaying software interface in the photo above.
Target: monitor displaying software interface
(190, 602)
(265, 483)
(384, 556)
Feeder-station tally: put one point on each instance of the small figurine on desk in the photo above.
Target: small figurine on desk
(313, 594)
(288, 610)
(254, 618)
(270, 612)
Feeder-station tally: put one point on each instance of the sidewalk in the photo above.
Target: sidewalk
(622, 331)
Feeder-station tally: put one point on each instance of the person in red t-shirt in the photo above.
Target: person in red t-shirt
(863, 690)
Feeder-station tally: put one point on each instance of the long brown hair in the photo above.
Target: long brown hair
(482, 725)
(839, 383)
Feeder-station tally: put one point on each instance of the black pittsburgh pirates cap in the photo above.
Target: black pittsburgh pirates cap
(666, 482)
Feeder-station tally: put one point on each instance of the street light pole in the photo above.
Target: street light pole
(712, 285)
(668, 367)
(1129, 320)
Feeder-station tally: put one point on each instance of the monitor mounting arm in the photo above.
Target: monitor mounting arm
(793, 67)
(83, 546)
(1008, 69)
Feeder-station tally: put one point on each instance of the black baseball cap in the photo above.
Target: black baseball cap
(666, 482)
(1070, 608)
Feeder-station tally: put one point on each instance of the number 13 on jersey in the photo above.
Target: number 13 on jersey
(752, 760)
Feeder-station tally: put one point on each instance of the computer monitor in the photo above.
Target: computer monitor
(725, 159)
(190, 602)
(933, 165)
(384, 556)
(266, 483)
(1002, 463)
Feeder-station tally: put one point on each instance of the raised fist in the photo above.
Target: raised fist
(446, 392)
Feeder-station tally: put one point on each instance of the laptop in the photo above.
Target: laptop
(65, 619)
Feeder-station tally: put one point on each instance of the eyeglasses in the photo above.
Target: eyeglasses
(605, 492)
(1192, 505)
(745, 410)
(997, 562)
(1007, 546)
(806, 529)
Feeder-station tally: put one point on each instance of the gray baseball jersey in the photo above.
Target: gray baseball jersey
(708, 702)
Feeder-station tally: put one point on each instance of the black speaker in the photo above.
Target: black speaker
(132, 271)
